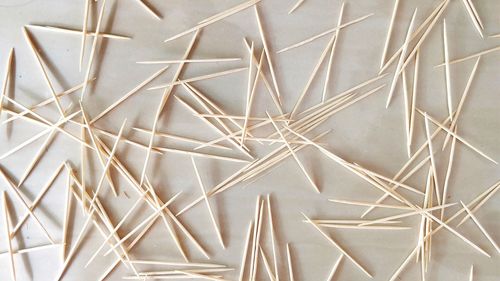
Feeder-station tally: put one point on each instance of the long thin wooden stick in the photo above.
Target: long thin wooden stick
(473, 18)
(336, 245)
(189, 61)
(448, 173)
(84, 32)
(447, 70)
(72, 31)
(310, 39)
(209, 208)
(311, 78)
(456, 136)
(250, 91)
(198, 78)
(414, 99)
(433, 161)
(266, 265)
(67, 211)
(302, 168)
(148, 9)
(220, 16)
(164, 98)
(44, 72)
(401, 59)
(93, 49)
(37, 200)
(462, 101)
(6, 219)
(181, 138)
(389, 32)
(332, 53)
(289, 261)
(479, 225)
(128, 95)
(335, 265)
(6, 76)
(245, 252)
(273, 237)
(25, 205)
(295, 6)
(268, 53)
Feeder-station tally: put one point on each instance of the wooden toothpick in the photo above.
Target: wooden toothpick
(210, 212)
(6, 76)
(479, 225)
(6, 219)
(389, 33)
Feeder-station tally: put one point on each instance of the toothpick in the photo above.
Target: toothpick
(266, 265)
(163, 102)
(66, 217)
(20, 198)
(336, 245)
(44, 72)
(310, 39)
(332, 52)
(38, 154)
(359, 203)
(199, 78)
(433, 161)
(476, 14)
(473, 18)
(289, 260)
(215, 19)
(6, 219)
(36, 201)
(84, 32)
(206, 103)
(166, 221)
(6, 76)
(295, 6)
(448, 173)
(254, 239)
(240, 148)
(44, 103)
(148, 9)
(273, 96)
(210, 212)
(302, 168)
(426, 33)
(268, 53)
(32, 249)
(216, 60)
(406, 100)
(399, 67)
(93, 49)
(414, 99)
(447, 70)
(311, 77)
(389, 32)
(251, 95)
(335, 265)
(344, 222)
(144, 222)
(365, 227)
(456, 136)
(485, 233)
(188, 264)
(273, 237)
(181, 138)
(485, 197)
(240, 117)
(128, 95)
(462, 101)
(471, 274)
(72, 31)
(418, 211)
(245, 251)
(200, 154)
(431, 18)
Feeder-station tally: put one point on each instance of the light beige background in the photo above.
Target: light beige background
(365, 133)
